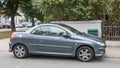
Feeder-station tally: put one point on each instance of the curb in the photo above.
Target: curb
(110, 56)
(113, 43)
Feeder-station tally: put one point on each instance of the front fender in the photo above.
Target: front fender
(78, 44)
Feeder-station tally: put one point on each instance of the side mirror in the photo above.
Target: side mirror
(66, 36)
(83, 33)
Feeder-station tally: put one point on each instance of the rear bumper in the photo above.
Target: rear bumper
(10, 47)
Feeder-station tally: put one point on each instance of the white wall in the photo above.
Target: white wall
(83, 26)
(4, 20)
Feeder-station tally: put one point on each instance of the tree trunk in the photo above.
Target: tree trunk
(27, 19)
(12, 24)
(42, 18)
(33, 23)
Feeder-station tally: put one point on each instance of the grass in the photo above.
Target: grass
(5, 34)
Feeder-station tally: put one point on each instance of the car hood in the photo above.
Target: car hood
(91, 37)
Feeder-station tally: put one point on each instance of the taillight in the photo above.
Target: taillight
(12, 36)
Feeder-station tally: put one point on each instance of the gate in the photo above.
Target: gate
(111, 31)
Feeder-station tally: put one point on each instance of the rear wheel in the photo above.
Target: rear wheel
(85, 54)
(20, 51)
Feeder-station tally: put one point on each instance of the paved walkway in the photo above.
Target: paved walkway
(111, 52)
(4, 45)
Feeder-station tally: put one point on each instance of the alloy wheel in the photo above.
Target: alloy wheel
(85, 54)
(20, 51)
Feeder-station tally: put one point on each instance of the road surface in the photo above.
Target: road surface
(7, 60)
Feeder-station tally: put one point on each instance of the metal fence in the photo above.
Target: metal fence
(111, 31)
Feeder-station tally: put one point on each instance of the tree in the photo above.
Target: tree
(28, 10)
(9, 8)
(49, 10)
(43, 12)
(113, 11)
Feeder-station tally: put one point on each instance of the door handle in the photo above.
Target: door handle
(42, 38)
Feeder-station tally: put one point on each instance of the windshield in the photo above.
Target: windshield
(71, 29)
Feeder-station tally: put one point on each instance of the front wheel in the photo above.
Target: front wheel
(85, 54)
(20, 51)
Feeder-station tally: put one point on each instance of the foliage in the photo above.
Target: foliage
(80, 9)
(67, 10)
(114, 11)
(10, 8)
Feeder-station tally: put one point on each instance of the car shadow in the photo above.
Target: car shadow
(51, 57)
(46, 57)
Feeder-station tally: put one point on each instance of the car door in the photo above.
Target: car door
(50, 40)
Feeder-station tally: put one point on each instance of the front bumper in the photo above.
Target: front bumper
(100, 52)
(10, 50)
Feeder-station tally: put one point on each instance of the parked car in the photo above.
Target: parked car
(18, 25)
(26, 24)
(56, 39)
(29, 25)
(6, 25)
(23, 24)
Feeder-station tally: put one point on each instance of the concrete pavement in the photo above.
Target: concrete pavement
(7, 60)
(111, 52)
(4, 45)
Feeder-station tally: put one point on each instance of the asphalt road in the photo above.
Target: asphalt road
(7, 60)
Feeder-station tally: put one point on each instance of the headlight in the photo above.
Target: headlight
(101, 44)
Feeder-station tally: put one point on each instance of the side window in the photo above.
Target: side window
(45, 30)
(56, 31)
(36, 31)
(42, 30)
(49, 31)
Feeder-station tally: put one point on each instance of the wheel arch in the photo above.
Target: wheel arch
(21, 44)
(82, 46)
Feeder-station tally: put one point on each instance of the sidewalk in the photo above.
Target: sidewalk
(4, 45)
(111, 51)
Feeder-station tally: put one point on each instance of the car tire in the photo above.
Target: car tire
(85, 54)
(20, 51)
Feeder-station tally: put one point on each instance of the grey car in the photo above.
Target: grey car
(58, 40)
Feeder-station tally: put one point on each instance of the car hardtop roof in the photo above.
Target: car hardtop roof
(52, 24)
